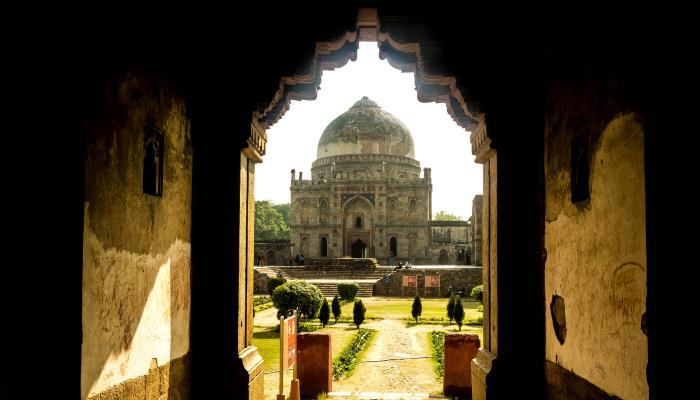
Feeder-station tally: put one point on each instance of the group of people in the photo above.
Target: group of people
(298, 260)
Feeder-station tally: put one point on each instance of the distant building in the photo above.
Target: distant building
(366, 197)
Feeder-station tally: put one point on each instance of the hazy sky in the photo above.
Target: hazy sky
(440, 143)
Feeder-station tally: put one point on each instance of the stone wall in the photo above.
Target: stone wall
(457, 278)
(595, 239)
(136, 246)
(274, 253)
(476, 228)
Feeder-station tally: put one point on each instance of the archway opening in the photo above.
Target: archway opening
(358, 249)
(343, 206)
(324, 247)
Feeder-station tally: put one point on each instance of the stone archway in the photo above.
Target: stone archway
(443, 258)
(358, 249)
(358, 224)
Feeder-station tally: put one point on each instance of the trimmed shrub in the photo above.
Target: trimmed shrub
(348, 291)
(273, 283)
(437, 340)
(335, 306)
(416, 308)
(451, 309)
(325, 313)
(350, 356)
(459, 312)
(301, 296)
(358, 313)
(478, 293)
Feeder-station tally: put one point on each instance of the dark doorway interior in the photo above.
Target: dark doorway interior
(393, 246)
(359, 249)
(324, 247)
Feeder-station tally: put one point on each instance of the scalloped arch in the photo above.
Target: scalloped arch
(405, 56)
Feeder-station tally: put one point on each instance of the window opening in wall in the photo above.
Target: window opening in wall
(153, 144)
(358, 222)
(580, 171)
(393, 246)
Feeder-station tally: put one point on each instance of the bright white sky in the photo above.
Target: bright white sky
(440, 143)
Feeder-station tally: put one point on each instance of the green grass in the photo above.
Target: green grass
(347, 360)
(267, 341)
(400, 308)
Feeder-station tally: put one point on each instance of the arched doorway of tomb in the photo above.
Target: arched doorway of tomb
(323, 247)
(358, 249)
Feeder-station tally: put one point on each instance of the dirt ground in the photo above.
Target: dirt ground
(384, 367)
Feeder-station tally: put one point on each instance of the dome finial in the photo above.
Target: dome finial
(365, 102)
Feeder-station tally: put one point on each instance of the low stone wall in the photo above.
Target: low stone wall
(259, 282)
(457, 278)
(345, 263)
(273, 253)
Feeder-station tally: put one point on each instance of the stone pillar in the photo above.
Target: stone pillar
(314, 364)
(486, 155)
(460, 349)
(249, 361)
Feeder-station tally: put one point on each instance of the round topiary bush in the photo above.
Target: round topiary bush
(348, 291)
(272, 283)
(478, 292)
(301, 296)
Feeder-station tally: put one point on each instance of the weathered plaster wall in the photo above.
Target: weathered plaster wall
(136, 247)
(596, 257)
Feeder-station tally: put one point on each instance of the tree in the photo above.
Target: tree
(358, 313)
(269, 222)
(348, 291)
(459, 312)
(272, 283)
(301, 296)
(478, 293)
(451, 308)
(284, 210)
(417, 308)
(444, 216)
(325, 313)
(336, 308)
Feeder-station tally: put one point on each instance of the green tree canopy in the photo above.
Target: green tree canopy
(270, 223)
(444, 216)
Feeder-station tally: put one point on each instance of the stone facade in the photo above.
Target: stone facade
(366, 196)
(475, 229)
(273, 253)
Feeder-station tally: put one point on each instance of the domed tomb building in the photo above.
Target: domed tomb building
(366, 196)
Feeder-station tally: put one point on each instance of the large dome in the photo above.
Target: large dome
(365, 129)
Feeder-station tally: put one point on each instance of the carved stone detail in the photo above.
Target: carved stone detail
(481, 143)
(257, 142)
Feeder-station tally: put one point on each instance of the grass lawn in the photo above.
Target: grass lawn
(399, 308)
(268, 342)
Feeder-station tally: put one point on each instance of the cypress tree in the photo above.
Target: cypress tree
(417, 308)
(358, 313)
(335, 306)
(451, 308)
(325, 313)
(459, 312)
